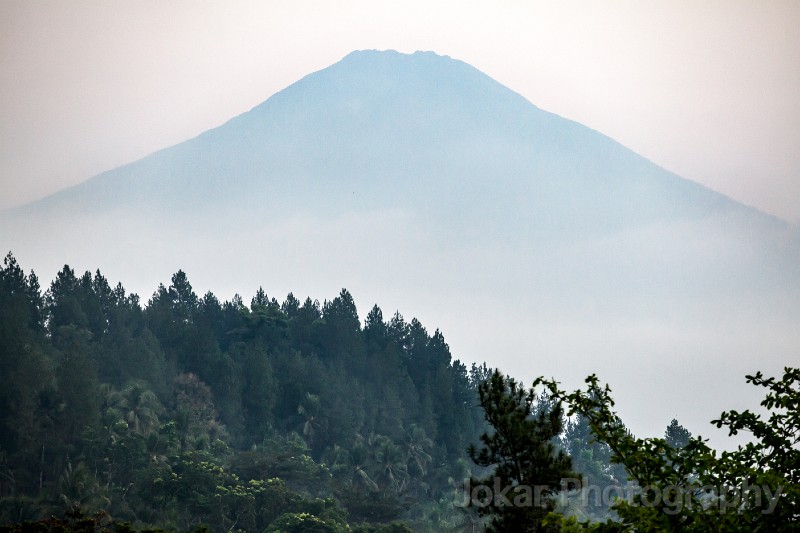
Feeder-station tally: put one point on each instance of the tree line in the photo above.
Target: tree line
(187, 412)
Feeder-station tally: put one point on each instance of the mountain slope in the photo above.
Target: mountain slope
(421, 131)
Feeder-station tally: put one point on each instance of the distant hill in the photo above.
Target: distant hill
(417, 179)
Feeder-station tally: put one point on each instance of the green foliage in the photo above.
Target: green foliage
(75, 520)
(394, 527)
(693, 488)
(190, 412)
(305, 523)
(676, 435)
(27, 382)
(76, 382)
(592, 460)
(527, 467)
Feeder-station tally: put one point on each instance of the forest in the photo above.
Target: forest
(187, 413)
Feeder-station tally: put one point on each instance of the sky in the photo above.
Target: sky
(707, 90)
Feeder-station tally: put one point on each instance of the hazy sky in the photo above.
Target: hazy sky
(707, 89)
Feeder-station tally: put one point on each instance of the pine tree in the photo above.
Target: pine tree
(676, 435)
(527, 467)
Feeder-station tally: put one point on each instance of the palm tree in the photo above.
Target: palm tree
(141, 408)
(416, 442)
(309, 410)
(392, 464)
(358, 460)
(351, 466)
(77, 486)
(111, 406)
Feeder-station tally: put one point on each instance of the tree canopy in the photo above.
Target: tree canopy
(189, 413)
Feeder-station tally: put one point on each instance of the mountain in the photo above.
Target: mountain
(420, 132)
(418, 180)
